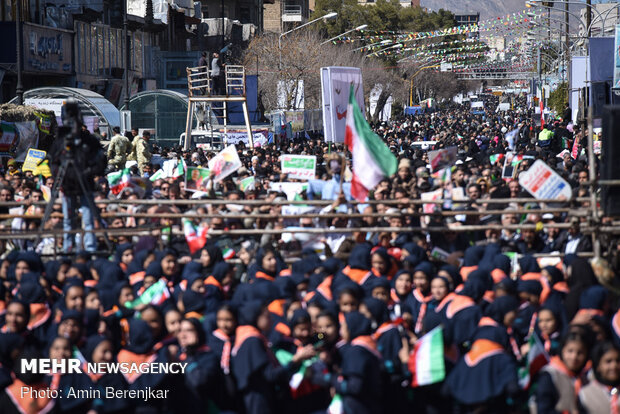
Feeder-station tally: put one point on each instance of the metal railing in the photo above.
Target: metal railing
(199, 80)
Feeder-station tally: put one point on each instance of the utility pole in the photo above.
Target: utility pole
(19, 89)
(589, 17)
(127, 43)
(223, 32)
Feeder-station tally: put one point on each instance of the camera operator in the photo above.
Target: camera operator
(78, 146)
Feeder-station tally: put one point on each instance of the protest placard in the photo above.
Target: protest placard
(299, 167)
(511, 161)
(196, 178)
(442, 158)
(33, 158)
(225, 163)
(544, 183)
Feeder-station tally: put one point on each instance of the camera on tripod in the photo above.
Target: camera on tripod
(71, 130)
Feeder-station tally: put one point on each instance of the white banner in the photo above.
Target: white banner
(544, 183)
(335, 84)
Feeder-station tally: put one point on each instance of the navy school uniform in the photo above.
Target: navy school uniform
(256, 371)
(492, 366)
(139, 350)
(360, 382)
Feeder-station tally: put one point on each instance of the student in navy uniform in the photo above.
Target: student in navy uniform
(139, 349)
(417, 302)
(490, 361)
(390, 344)
(359, 269)
(463, 313)
(559, 382)
(68, 401)
(221, 341)
(11, 399)
(254, 367)
(402, 286)
(359, 381)
(601, 394)
(11, 345)
(202, 380)
(99, 349)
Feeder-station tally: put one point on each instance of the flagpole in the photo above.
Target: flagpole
(343, 168)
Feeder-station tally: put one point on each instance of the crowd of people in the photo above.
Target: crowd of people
(294, 322)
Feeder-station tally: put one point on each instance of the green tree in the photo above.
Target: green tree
(557, 98)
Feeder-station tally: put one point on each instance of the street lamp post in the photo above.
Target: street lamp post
(127, 45)
(357, 29)
(328, 16)
(19, 88)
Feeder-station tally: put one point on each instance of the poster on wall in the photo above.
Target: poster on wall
(335, 85)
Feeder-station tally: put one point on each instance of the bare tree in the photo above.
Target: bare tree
(300, 58)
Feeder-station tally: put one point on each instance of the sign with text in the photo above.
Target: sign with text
(225, 163)
(299, 167)
(47, 49)
(33, 158)
(544, 183)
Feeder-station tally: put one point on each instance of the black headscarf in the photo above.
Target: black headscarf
(581, 277)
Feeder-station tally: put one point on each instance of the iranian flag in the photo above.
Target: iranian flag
(119, 180)
(537, 358)
(426, 362)
(295, 383)
(179, 171)
(495, 158)
(156, 294)
(196, 238)
(159, 174)
(372, 159)
(228, 253)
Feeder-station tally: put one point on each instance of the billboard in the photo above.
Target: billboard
(335, 86)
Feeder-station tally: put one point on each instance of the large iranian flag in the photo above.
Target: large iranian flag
(372, 159)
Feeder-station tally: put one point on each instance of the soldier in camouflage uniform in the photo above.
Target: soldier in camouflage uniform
(118, 149)
(142, 151)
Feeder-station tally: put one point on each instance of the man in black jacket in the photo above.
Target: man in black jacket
(87, 161)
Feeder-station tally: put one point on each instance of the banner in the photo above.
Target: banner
(9, 137)
(225, 163)
(235, 137)
(33, 159)
(196, 178)
(296, 119)
(617, 59)
(299, 167)
(28, 138)
(544, 183)
(442, 158)
(335, 85)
